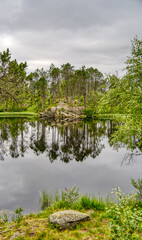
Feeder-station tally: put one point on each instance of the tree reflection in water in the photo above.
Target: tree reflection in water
(66, 143)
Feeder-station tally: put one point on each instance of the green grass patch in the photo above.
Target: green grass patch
(108, 116)
(92, 203)
(18, 114)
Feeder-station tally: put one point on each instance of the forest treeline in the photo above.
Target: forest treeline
(42, 88)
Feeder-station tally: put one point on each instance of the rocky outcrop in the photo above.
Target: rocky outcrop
(68, 218)
(63, 112)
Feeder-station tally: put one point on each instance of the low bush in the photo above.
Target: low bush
(89, 112)
(138, 186)
(126, 220)
(17, 216)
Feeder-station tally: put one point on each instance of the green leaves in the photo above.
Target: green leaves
(134, 62)
(124, 96)
(138, 186)
(12, 81)
(70, 195)
(39, 85)
(125, 218)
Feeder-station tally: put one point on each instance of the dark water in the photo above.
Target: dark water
(35, 156)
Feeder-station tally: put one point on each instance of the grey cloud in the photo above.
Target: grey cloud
(65, 14)
(93, 32)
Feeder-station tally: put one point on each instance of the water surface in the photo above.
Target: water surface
(35, 156)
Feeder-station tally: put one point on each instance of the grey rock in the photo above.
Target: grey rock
(68, 218)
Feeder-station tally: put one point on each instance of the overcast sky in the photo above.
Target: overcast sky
(95, 33)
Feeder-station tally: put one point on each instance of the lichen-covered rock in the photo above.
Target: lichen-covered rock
(68, 218)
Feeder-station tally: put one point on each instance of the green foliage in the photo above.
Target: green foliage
(13, 86)
(5, 217)
(45, 200)
(18, 91)
(138, 186)
(70, 198)
(88, 112)
(65, 199)
(70, 195)
(32, 108)
(134, 62)
(38, 87)
(124, 96)
(20, 238)
(41, 236)
(92, 203)
(62, 109)
(128, 133)
(18, 212)
(82, 99)
(126, 219)
(18, 215)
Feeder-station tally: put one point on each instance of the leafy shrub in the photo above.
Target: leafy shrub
(32, 108)
(126, 220)
(82, 99)
(88, 112)
(138, 186)
(70, 195)
(18, 214)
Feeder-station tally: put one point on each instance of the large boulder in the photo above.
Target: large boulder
(68, 218)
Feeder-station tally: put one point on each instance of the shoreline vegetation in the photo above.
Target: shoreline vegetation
(118, 217)
(83, 115)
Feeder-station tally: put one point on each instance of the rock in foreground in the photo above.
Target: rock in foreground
(68, 218)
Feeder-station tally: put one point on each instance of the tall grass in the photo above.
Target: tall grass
(92, 203)
(73, 200)
(45, 200)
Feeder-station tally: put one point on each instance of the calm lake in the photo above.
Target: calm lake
(35, 156)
